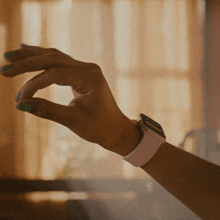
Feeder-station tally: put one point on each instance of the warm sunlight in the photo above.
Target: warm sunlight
(122, 34)
(160, 46)
(65, 5)
(31, 34)
(3, 38)
(150, 53)
(31, 23)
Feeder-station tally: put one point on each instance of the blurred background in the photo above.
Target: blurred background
(160, 58)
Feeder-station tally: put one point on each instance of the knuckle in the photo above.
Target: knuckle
(95, 66)
(53, 50)
(94, 75)
(95, 70)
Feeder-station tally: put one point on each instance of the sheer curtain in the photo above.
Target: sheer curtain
(150, 52)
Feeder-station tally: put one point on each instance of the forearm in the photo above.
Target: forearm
(192, 180)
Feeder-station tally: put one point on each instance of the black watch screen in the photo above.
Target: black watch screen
(150, 123)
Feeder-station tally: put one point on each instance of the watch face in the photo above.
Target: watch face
(150, 123)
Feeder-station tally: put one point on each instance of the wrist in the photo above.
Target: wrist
(129, 135)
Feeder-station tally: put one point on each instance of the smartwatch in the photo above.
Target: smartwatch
(152, 139)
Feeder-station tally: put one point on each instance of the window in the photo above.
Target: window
(150, 53)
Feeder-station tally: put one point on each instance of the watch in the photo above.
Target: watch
(152, 139)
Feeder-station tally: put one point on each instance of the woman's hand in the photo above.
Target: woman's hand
(93, 113)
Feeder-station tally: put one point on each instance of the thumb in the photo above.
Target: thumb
(46, 109)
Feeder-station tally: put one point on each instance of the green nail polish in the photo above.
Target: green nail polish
(24, 107)
(18, 96)
(6, 67)
(10, 54)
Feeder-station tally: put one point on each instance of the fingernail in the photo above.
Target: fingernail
(4, 68)
(17, 96)
(24, 107)
(9, 54)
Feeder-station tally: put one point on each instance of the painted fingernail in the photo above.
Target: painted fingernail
(4, 68)
(9, 54)
(17, 96)
(24, 107)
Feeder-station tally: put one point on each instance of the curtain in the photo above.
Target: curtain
(150, 52)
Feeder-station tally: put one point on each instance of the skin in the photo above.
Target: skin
(93, 108)
(94, 115)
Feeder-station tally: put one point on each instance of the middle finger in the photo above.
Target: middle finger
(25, 52)
(40, 62)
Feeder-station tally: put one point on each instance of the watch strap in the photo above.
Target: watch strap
(146, 149)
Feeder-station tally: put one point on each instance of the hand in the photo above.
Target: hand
(93, 113)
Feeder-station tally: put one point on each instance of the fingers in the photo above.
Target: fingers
(32, 58)
(28, 51)
(36, 63)
(33, 85)
(63, 76)
(49, 110)
(24, 52)
(79, 75)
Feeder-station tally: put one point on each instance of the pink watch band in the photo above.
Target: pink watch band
(146, 149)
